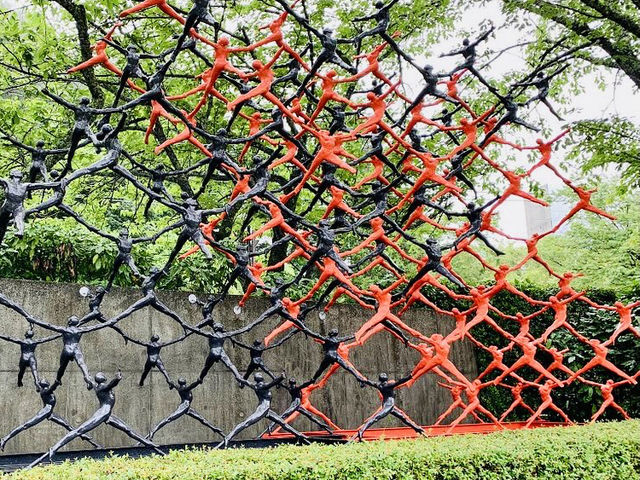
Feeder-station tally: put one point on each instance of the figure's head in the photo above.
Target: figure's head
(378, 5)
(132, 48)
(15, 174)
(124, 233)
(28, 334)
(40, 143)
(292, 382)
(257, 64)
(257, 342)
(85, 101)
(73, 321)
(331, 73)
(371, 96)
(258, 378)
(105, 129)
(100, 377)
(374, 288)
(540, 75)
(191, 202)
(155, 337)
(471, 205)
(429, 68)
(327, 31)
(618, 304)
(539, 141)
(101, 290)
(54, 174)
(224, 41)
(324, 223)
(217, 327)
(43, 384)
(333, 332)
(182, 381)
(465, 42)
(222, 132)
(383, 377)
(160, 166)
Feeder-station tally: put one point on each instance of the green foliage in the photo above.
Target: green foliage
(601, 451)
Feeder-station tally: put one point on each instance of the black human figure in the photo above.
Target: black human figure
(377, 150)
(125, 244)
(381, 16)
(263, 392)
(82, 127)
(153, 355)
(95, 301)
(216, 338)
(199, 13)
(28, 354)
(474, 216)
(510, 116)
(186, 397)
(388, 407)
(457, 170)
(104, 414)
(433, 262)
(15, 193)
(38, 157)
(430, 88)
(542, 83)
(379, 197)
(338, 119)
(330, 345)
(46, 413)
(71, 351)
(329, 179)
(255, 354)
(468, 52)
(241, 259)
(295, 391)
(132, 68)
(278, 126)
(59, 188)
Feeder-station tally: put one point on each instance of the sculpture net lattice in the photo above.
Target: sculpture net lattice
(385, 228)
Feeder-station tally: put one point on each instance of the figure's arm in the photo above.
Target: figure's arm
(19, 144)
(279, 342)
(11, 339)
(48, 339)
(93, 229)
(59, 100)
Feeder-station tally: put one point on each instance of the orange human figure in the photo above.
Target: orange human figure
(547, 402)
(414, 294)
(157, 111)
(514, 188)
(452, 90)
(266, 77)
(277, 220)
(383, 300)
(379, 106)
(378, 234)
(600, 359)
(161, 4)
(434, 351)
(529, 349)
(257, 270)
(463, 246)
(221, 64)
(470, 131)
(328, 93)
(497, 355)
(378, 261)
(329, 269)
(277, 37)
(489, 125)
(416, 118)
(418, 214)
(330, 151)
(100, 55)
(545, 153)
(471, 391)
(606, 390)
(207, 232)
(559, 308)
(625, 320)
(186, 134)
(305, 406)
(532, 253)
(584, 203)
(337, 202)
(296, 109)
(480, 296)
(255, 125)
(377, 174)
(204, 77)
(427, 173)
(456, 395)
(289, 157)
(558, 363)
(516, 392)
(292, 309)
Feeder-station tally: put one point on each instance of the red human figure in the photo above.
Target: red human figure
(161, 4)
(277, 37)
(207, 232)
(625, 320)
(378, 261)
(343, 352)
(452, 90)
(584, 203)
(557, 364)
(532, 253)
(480, 296)
(447, 190)
(204, 77)
(606, 391)
(379, 106)
(434, 351)
(297, 252)
(289, 157)
(266, 76)
(486, 226)
(547, 403)
(157, 111)
(383, 300)
(277, 220)
(292, 309)
(418, 214)
(337, 202)
(414, 294)
(257, 270)
(186, 134)
(428, 173)
(566, 290)
(377, 174)
(500, 275)
(516, 392)
(489, 125)
(545, 152)
(471, 391)
(416, 118)
(221, 64)
(378, 234)
(100, 56)
(330, 151)
(456, 395)
(329, 269)
(255, 125)
(600, 359)
(296, 109)
(514, 188)
(529, 349)
(305, 404)
(470, 131)
(559, 308)
(497, 355)
(463, 246)
(328, 93)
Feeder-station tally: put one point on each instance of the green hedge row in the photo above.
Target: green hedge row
(600, 451)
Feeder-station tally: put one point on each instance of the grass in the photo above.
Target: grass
(600, 451)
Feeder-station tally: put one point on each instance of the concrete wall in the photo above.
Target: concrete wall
(219, 399)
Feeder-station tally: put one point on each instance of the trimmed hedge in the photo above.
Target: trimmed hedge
(600, 451)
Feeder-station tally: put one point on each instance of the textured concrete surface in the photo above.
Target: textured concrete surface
(219, 399)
